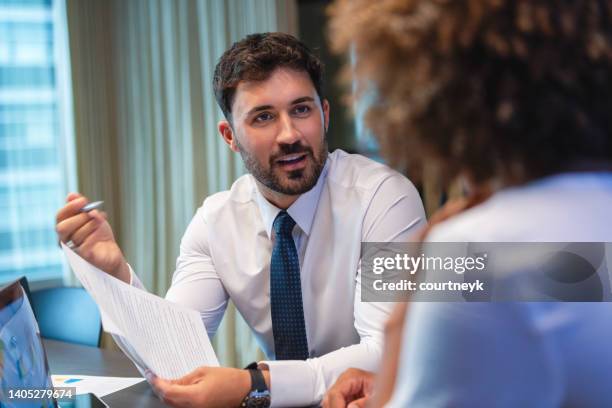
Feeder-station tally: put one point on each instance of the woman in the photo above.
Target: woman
(513, 96)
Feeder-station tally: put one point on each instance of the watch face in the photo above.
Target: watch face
(257, 399)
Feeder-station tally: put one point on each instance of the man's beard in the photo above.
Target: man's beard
(292, 182)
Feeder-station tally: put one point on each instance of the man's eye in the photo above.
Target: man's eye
(263, 117)
(301, 109)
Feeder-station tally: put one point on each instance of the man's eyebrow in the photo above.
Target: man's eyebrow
(302, 99)
(258, 109)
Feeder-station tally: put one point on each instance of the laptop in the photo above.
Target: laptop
(24, 370)
(23, 362)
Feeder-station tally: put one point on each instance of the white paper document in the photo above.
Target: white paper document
(100, 386)
(166, 338)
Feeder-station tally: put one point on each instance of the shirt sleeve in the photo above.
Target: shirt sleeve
(195, 283)
(393, 214)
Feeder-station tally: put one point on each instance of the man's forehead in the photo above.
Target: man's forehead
(283, 86)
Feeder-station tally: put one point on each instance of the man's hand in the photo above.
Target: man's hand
(353, 389)
(208, 387)
(92, 236)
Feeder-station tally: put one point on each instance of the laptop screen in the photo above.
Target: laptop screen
(23, 363)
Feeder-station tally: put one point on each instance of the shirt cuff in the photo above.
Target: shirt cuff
(292, 383)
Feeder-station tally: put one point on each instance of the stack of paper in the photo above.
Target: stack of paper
(158, 335)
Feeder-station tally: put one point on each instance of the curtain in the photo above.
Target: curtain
(145, 123)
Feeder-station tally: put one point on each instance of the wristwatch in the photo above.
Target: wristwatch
(259, 396)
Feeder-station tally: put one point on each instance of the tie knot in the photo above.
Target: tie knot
(283, 224)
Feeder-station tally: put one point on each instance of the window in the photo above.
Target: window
(34, 143)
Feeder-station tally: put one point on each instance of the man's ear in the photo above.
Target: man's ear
(226, 132)
(325, 106)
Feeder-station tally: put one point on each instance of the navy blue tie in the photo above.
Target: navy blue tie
(288, 326)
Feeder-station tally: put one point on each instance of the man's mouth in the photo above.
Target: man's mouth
(292, 161)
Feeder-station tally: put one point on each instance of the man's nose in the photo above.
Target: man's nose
(288, 133)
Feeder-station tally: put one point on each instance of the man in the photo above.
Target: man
(284, 243)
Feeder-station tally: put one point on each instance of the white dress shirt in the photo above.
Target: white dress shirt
(515, 354)
(226, 250)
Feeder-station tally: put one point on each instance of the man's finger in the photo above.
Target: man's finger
(173, 394)
(193, 377)
(70, 209)
(360, 403)
(163, 388)
(79, 236)
(150, 376)
(69, 226)
(72, 196)
(98, 215)
(335, 399)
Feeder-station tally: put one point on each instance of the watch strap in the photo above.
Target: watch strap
(258, 382)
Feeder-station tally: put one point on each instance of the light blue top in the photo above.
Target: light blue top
(516, 354)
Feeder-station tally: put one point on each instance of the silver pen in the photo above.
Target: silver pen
(91, 206)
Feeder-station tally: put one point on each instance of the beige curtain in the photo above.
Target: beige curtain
(145, 123)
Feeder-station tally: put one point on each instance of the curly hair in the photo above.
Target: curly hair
(255, 57)
(496, 88)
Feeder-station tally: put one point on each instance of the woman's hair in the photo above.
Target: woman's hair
(497, 88)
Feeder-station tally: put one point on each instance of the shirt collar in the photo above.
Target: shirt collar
(302, 210)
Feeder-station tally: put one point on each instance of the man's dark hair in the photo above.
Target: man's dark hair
(255, 58)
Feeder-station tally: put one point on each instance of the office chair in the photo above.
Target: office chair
(23, 281)
(67, 314)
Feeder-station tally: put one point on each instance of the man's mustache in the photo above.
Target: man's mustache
(290, 149)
